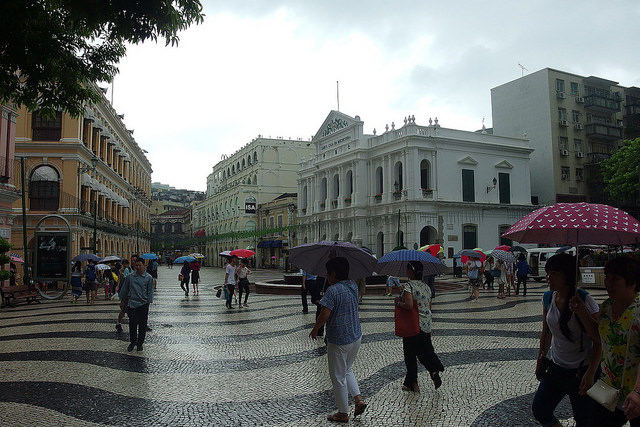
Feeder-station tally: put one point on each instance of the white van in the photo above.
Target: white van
(537, 259)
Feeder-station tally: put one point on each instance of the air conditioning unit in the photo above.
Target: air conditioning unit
(564, 153)
(561, 95)
(579, 126)
(580, 100)
(564, 123)
(579, 154)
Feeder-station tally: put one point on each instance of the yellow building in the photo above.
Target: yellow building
(273, 249)
(89, 170)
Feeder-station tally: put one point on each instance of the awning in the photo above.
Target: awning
(270, 244)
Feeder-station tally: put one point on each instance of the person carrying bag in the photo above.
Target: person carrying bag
(416, 298)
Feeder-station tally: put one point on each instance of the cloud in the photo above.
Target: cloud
(270, 68)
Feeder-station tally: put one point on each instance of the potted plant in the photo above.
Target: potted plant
(347, 199)
(378, 196)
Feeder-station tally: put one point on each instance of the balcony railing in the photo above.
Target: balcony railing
(601, 103)
(597, 158)
(604, 131)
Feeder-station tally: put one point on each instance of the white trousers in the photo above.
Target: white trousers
(344, 382)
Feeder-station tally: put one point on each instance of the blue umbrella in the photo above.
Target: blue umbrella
(86, 257)
(149, 256)
(395, 263)
(182, 259)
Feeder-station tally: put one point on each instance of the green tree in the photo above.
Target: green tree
(52, 49)
(620, 171)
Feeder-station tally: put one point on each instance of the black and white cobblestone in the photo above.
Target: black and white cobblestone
(64, 364)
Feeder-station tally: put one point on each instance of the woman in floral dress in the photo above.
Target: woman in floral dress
(619, 330)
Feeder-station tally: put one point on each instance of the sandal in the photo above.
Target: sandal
(359, 409)
(338, 418)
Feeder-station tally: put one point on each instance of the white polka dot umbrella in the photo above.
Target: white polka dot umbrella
(574, 224)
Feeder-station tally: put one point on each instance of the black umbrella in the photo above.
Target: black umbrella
(518, 249)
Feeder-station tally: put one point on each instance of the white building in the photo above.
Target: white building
(257, 173)
(435, 185)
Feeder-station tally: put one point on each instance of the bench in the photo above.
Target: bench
(11, 294)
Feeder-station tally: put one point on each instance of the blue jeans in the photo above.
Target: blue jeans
(552, 390)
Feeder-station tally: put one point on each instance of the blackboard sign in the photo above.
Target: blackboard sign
(250, 205)
(52, 256)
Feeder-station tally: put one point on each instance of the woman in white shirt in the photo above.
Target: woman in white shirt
(571, 355)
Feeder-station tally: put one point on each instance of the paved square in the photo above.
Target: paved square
(65, 364)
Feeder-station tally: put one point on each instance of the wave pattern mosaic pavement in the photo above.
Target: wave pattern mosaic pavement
(64, 364)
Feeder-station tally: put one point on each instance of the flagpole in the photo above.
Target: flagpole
(338, 93)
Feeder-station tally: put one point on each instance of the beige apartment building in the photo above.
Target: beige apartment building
(255, 174)
(573, 123)
(91, 171)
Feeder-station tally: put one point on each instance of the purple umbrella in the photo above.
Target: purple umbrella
(312, 258)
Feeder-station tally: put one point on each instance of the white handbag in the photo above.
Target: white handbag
(605, 394)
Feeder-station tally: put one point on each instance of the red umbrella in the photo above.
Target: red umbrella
(433, 249)
(242, 253)
(576, 223)
(503, 248)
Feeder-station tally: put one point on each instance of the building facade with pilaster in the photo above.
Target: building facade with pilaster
(255, 174)
(91, 171)
(411, 186)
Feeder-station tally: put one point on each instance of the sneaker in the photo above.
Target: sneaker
(140, 349)
(130, 348)
(186, 294)
(118, 327)
(246, 305)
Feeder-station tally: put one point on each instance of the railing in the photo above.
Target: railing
(601, 103)
(427, 193)
(604, 131)
(597, 158)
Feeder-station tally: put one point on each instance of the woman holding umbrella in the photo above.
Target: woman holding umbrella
(566, 347)
(419, 346)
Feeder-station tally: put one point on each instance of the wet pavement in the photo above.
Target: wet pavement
(65, 364)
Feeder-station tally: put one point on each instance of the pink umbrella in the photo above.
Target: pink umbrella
(503, 248)
(576, 223)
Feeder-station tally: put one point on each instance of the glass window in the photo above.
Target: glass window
(566, 173)
(579, 174)
(44, 189)
(46, 128)
(503, 240)
(264, 223)
(575, 90)
(575, 116)
(468, 186)
(559, 85)
(504, 188)
(424, 174)
(577, 145)
(563, 142)
(280, 219)
(562, 114)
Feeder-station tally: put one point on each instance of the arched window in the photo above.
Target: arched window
(349, 188)
(336, 186)
(255, 179)
(398, 176)
(249, 160)
(44, 189)
(249, 180)
(425, 174)
(167, 228)
(323, 190)
(255, 157)
(233, 169)
(238, 167)
(379, 183)
(244, 165)
(304, 198)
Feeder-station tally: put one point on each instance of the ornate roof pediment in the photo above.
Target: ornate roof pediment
(335, 122)
(467, 161)
(504, 165)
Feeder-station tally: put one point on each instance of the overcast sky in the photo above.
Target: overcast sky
(270, 67)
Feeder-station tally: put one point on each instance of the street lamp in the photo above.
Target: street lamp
(489, 187)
